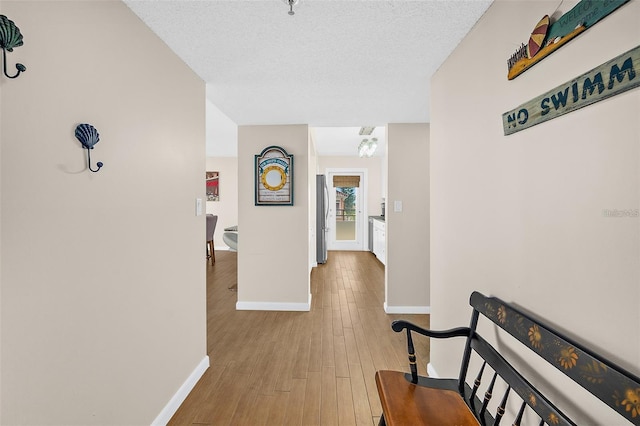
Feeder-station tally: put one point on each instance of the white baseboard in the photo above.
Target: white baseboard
(431, 371)
(273, 306)
(178, 398)
(407, 309)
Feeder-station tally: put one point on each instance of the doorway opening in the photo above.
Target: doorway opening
(346, 218)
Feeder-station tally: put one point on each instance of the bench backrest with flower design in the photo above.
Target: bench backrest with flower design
(489, 386)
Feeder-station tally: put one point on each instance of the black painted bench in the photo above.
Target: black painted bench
(495, 388)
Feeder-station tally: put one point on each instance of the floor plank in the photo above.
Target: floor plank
(299, 368)
(295, 404)
(346, 415)
(328, 397)
(312, 398)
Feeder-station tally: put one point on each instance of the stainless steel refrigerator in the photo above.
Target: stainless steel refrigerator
(322, 213)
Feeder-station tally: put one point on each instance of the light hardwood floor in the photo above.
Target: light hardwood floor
(299, 368)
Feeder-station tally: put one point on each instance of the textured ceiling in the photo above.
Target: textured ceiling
(335, 63)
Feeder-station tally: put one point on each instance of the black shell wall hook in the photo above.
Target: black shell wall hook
(10, 37)
(88, 137)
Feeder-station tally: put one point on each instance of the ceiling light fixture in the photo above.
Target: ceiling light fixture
(367, 147)
(291, 3)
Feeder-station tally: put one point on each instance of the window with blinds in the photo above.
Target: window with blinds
(346, 181)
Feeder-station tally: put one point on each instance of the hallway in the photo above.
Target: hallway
(299, 368)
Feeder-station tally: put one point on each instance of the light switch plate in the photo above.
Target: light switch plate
(198, 206)
(397, 206)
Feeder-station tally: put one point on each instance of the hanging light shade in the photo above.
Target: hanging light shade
(367, 147)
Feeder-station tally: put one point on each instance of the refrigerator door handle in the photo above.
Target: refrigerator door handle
(326, 205)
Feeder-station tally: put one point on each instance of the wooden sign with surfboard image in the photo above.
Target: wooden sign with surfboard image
(548, 37)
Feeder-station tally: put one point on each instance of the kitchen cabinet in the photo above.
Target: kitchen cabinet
(379, 240)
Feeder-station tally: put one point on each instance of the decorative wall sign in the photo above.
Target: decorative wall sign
(609, 79)
(213, 186)
(274, 177)
(546, 39)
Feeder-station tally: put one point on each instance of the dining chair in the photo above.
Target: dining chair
(212, 220)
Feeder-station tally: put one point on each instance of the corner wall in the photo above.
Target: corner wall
(1, 274)
(273, 241)
(522, 216)
(103, 310)
(312, 171)
(407, 231)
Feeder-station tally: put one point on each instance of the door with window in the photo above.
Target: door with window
(346, 219)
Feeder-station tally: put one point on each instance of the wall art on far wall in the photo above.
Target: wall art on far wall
(213, 187)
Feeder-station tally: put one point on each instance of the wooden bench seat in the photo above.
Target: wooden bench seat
(421, 405)
(408, 399)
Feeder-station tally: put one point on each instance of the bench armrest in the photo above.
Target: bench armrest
(400, 325)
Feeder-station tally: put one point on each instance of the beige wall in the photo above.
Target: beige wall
(521, 217)
(1, 231)
(273, 246)
(374, 175)
(407, 231)
(102, 274)
(312, 167)
(227, 207)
